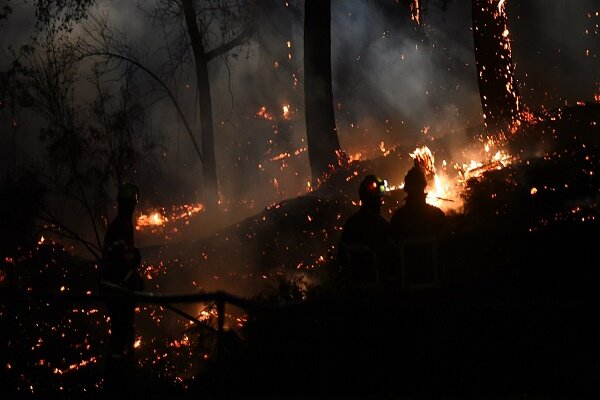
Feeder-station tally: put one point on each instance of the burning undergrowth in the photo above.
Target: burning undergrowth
(554, 179)
(530, 226)
(279, 254)
(294, 237)
(512, 213)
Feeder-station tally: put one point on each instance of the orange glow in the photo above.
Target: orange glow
(153, 219)
(415, 9)
(263, 113)
(287, 113)
(445, 187)
(159, 219)
(74, 367)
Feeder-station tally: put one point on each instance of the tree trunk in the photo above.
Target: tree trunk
(495, 70)
(322, 139)
(209, 166)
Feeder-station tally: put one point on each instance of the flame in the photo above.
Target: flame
(355, 157)
(445, 187)
(501, 9)
(385, 151)
(157, 219)
(153, 219)
(438, 188)
(415, 10)
(286, 112)
(263, 113)
(74, 367)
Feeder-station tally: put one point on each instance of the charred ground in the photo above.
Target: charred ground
(516, 312)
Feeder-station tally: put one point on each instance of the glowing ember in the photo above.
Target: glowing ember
(500, 99)
(287, 112)
(161, 219)
(355, 157)
(154, 219)
(74, 367)
(263, 113)
(415, 9)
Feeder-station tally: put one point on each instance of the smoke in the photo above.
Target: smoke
(401, 83)
(556, 51)
(394, 82)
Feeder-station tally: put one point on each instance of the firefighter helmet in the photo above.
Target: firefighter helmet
(415, 180)
(128, 192)
(372, 187)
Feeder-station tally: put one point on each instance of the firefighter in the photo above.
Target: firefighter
(416, 219)
(120, 261)
(364, 235)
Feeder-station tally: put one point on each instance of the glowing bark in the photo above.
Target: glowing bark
(495, 70)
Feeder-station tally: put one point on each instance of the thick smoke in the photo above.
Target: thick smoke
(394, 82)
(402, 83)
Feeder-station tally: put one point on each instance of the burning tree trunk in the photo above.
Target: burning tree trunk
(209, 166)
(495, 70)
(321, 133)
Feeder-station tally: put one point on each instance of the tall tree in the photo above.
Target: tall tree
(209, 165)
(495, 69)
(324, 152)
(196, 32)
(197, 22)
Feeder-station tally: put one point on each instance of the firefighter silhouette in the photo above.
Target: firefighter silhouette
(416, 229)
(416, 219)
(364, 235)
(120, 260)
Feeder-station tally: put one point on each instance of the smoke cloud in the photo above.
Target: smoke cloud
(394, 82)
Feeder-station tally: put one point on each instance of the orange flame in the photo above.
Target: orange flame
(263, 113)
(415, 10)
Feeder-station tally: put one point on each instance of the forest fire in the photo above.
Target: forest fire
(519, 187)
(167, 220)
(446, 186)
(154, 219)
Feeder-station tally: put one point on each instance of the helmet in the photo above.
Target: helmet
(415, 180)
(128, 192)
(372, 187)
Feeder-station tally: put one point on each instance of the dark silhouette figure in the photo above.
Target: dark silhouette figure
(416, 219)
(120, 260)
(364, 235)
(416, 228)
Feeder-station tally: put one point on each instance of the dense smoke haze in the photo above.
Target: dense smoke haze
(395, 83)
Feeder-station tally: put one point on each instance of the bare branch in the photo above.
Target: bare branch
(158, 80)
(64, 231)
(240, 39)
